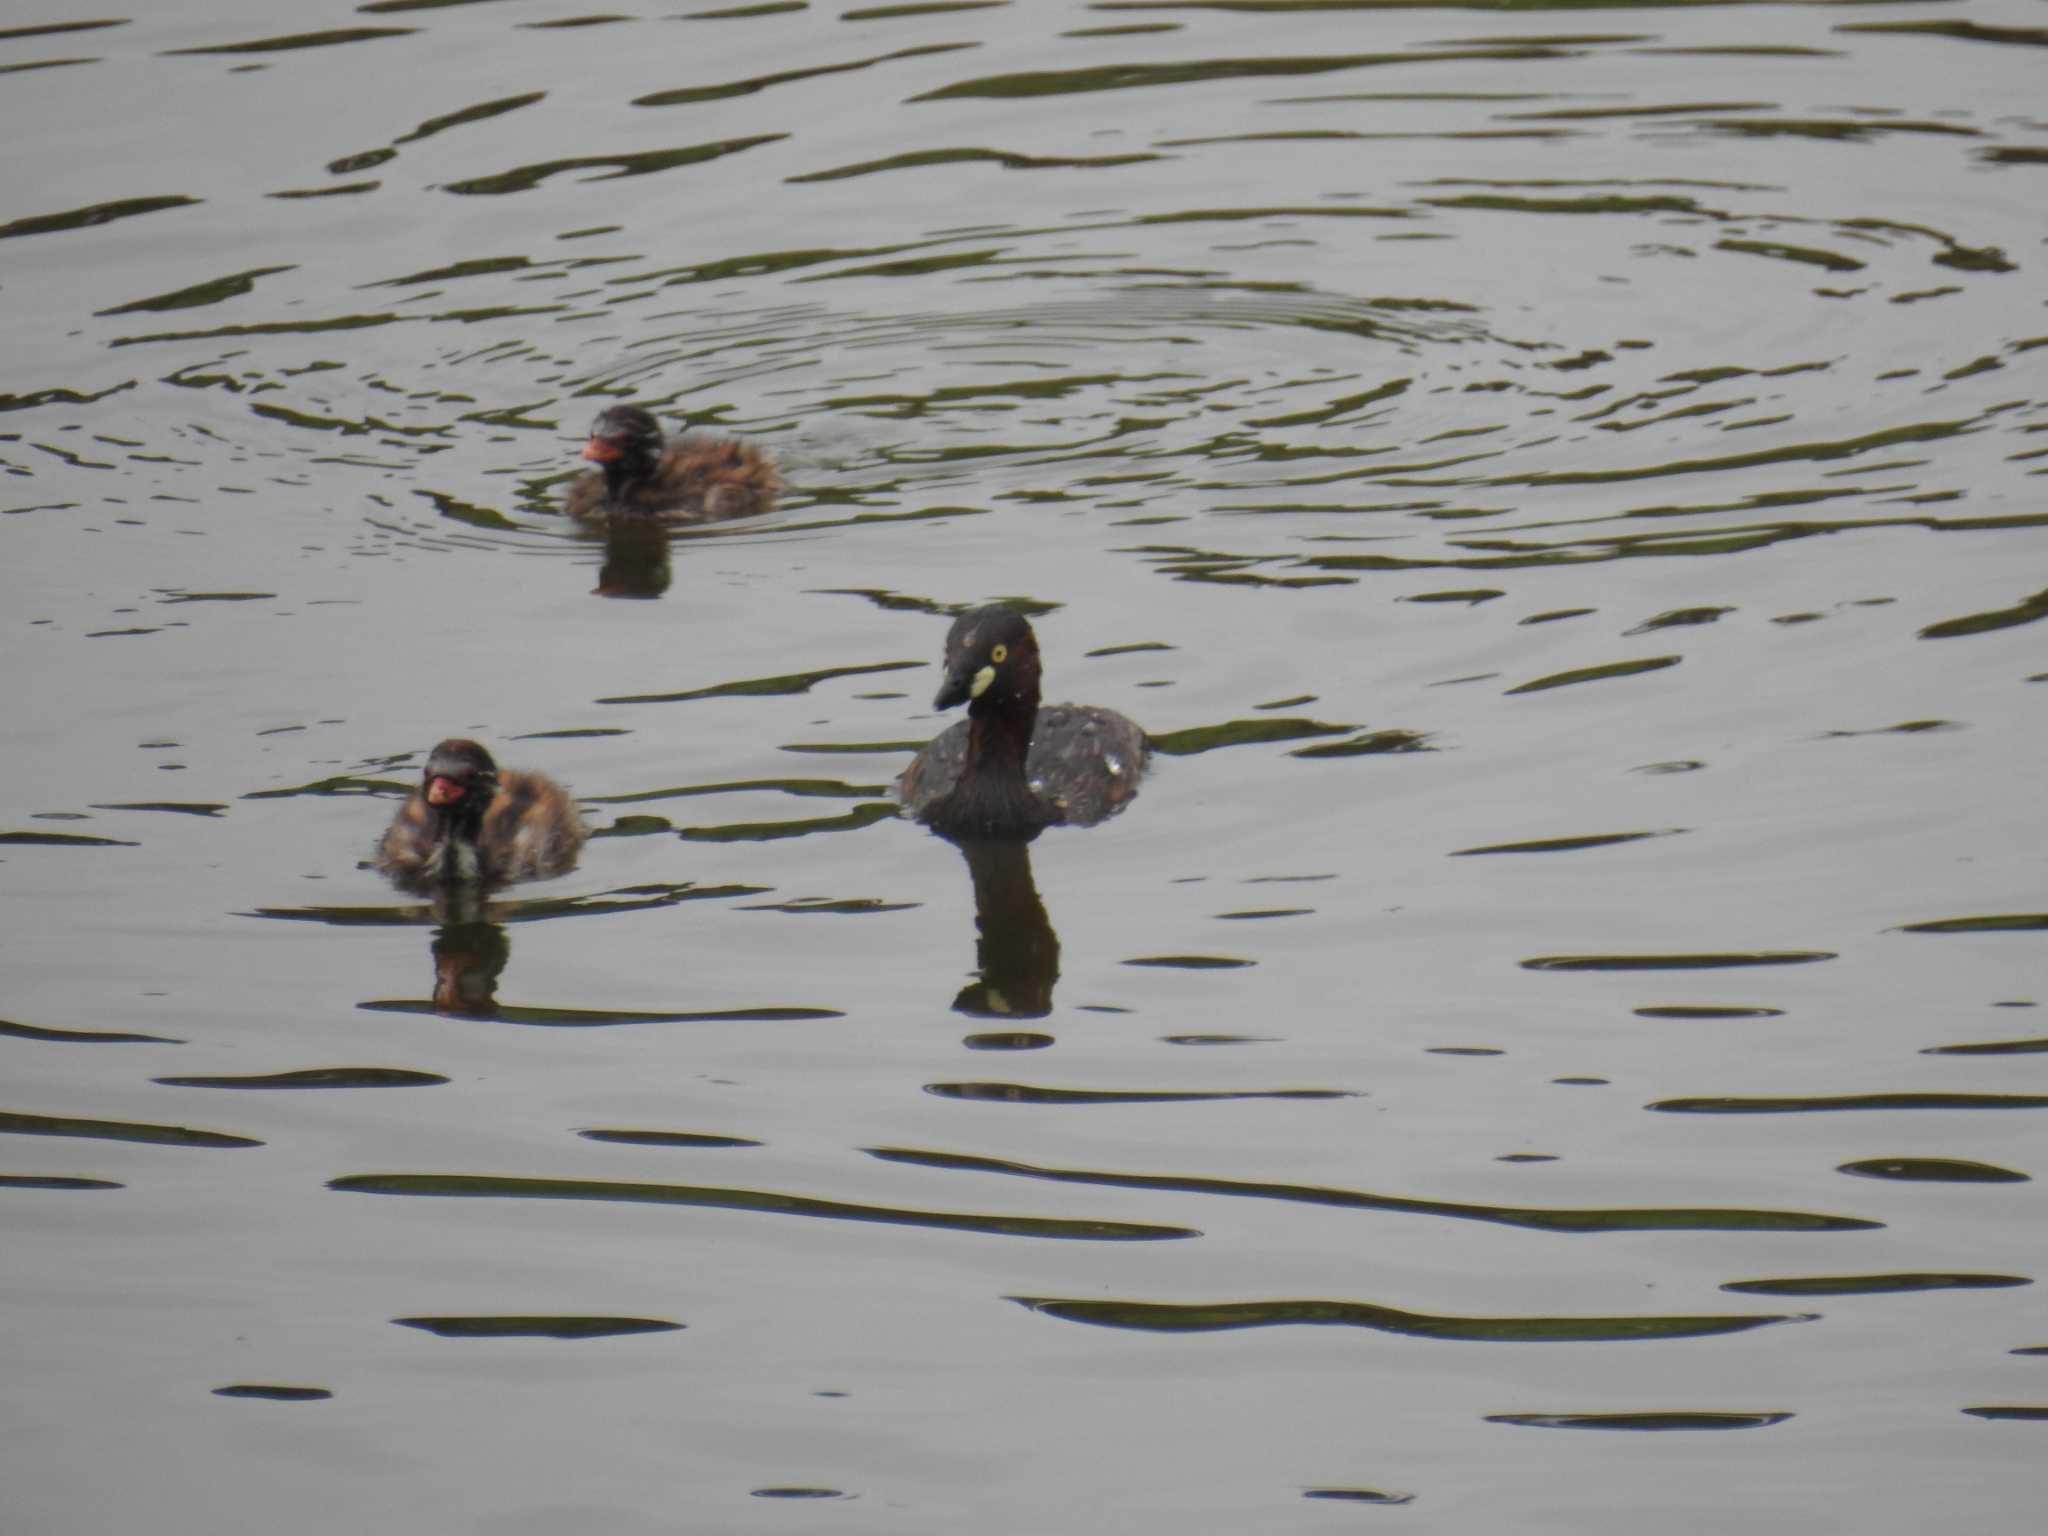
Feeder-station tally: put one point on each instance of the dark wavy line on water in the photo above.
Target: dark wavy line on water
(1670, 109)
(481, 112)
(453, 508)
(1026, 84)
(1902, 728)
(2026, 611)
(488, 1187)
(1589, 203)
(45, 29)
(1369, 744)
(2033, 1047)
(690, 95)
(393, 7)
(271, 1392)
(1613, 1219)
(298, 40)
(118, 1130)
(864, 815)
(1834, 130)
(63, 839)
(1679, 544)
(1359, 1495)
(316, 1077)
(1283, 6)
(763, 687)
(851, 906)
(827, 789)
(537, 1326)
(94, 214)
(1848, 1101)
(604, 1018)
(2008, 922)
(1240, 733)
(1696, 962)
(82, 1036)
(1933, 1170)
(1641, 1422)
(1819, 453)
(631, 898)
(60, 396)
(1026, 1093)
(1125, 310)
(666, 1138)
(524, 178)
(340, 784)
(1874, 1285)
(916, 8)
(199, 293)
(1220, 1317)
(22, 69)
(1596, 674)
(1961, 31)
(1567, 844)
(1707, 1011)
(1009, 161)
(1805, 255)
(341, 189)
(278, 328)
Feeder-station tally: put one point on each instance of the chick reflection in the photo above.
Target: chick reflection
(469, 955)
(1015, 949)
(635, 560)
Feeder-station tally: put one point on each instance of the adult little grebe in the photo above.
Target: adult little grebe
(1011, 769)
(468, 823)
(691, 480)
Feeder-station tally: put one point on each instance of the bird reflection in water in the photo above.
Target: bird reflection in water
(1016, 952)
(636, 560)
(470, 952)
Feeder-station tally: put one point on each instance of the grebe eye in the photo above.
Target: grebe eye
(999, 654)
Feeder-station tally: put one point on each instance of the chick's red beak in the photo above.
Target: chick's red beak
(602, 450)
(442, 791)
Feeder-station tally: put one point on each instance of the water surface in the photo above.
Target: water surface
(1562, 486)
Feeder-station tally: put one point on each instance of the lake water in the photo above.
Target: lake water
(1555, 1046)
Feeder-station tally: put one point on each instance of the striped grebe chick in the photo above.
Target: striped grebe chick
(695, 479)
(468, 823)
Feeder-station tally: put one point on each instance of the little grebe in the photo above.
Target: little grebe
(468, 823)
(1010, 769)
(691, 480)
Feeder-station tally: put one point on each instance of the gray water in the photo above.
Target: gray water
(1553, 1048)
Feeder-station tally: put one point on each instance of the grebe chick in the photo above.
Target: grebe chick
(691, 480)
(1011, 769)
(468, 823)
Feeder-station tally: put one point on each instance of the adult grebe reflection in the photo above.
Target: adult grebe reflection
(1015, 949)
(636, 559)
